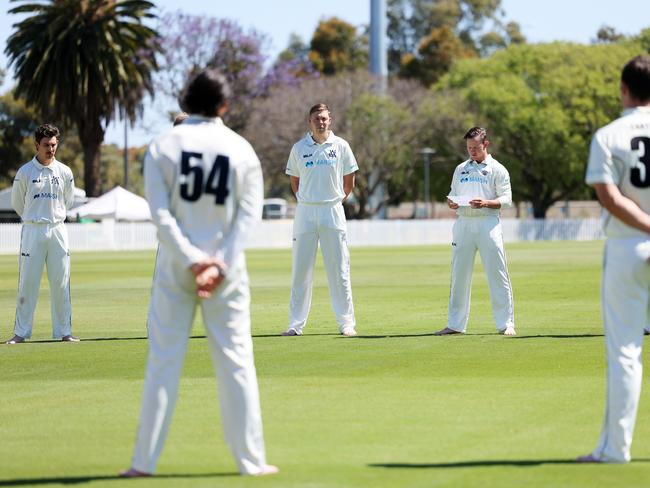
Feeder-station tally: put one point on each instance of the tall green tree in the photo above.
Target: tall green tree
(17, 125)
(541, 104)
(436, 53)
(425, 32)
(336, 47)
(84, 61)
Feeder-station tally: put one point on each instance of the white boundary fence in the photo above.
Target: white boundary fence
(276, 234)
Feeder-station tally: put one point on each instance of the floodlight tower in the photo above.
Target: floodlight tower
(378, 57)
(378, 68)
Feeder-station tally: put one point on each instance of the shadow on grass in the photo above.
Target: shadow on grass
(96, 339)
(77, 480)
(424, 334)
(279, 334)
(559, 336)
(487, 463)
(428, 334)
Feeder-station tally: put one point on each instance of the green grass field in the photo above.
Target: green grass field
(395, 407)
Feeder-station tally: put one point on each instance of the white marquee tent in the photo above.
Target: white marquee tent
(117, 204)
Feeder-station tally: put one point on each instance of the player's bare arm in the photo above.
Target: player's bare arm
(295, 184)
(452, 205)
(622, 207)
(348, 185)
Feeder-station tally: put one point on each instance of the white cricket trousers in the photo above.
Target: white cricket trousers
(226, 316)
(42, 244)
(325, 224)
(625, 292)
(483, 234)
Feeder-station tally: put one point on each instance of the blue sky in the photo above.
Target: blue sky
(541, 21)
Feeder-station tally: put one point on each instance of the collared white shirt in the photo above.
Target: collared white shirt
(204, 186)
(620, 155)
(321, 168)
(488, 179)
(43, 194)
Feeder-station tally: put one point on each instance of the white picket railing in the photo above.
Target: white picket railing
(276, 234)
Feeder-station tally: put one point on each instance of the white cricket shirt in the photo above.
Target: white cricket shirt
(488, 179)
(620, 155)
(204, 186)
(321, 168)
(43, 194)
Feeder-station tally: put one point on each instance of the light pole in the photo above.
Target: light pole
(126, 153)
(427, 153)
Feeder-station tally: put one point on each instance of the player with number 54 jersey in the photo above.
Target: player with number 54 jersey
(210, 179)
(204, 186)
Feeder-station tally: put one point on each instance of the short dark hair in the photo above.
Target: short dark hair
(476, 132)
(319, 107)
(636, 76)
(205, 93)
(46, 130)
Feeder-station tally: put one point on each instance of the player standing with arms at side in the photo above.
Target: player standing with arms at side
(42, 192)
(483, 185)
(321, 169)
(619, 171)
(204, 186)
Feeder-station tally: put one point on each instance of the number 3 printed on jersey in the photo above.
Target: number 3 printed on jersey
(640, 177)
(217, 184)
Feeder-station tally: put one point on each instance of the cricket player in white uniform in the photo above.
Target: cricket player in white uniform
(42, 192)
(480, 187)
(321, 168)
(619, 171)
(204, 186)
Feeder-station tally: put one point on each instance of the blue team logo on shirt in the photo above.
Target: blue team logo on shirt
(331, 153)
(473, 179)
(309, 164)
(55, 180)
(48, 195)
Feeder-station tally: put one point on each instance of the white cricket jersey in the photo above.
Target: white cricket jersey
(43, 194)
(488, 179)
(204, 186)
(620, 155)
(321, 168)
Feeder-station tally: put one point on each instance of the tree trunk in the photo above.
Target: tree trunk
(362, 200)
(91, 137)
(539, 209)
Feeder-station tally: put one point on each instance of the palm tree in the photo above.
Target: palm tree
(83, 61)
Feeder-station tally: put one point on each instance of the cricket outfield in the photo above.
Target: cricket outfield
(394, 407)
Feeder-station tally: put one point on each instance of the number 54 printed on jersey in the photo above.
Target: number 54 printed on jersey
(192, 186)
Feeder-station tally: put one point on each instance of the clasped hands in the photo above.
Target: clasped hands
(208, 275)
